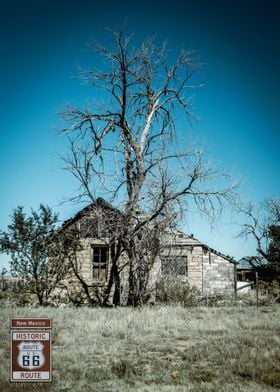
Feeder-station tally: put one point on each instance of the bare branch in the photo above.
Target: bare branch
(126, 148)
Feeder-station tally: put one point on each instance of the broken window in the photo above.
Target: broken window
(174, 266)
(99, 263)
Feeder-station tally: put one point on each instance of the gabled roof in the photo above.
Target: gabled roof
(174, 236)
(171, 236)
(178, 238)
(99, 202)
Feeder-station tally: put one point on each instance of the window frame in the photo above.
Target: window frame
(97, 267)
(172, 259)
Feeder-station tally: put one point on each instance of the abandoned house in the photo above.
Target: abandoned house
(180, 255)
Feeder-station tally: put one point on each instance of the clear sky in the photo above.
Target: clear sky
(42, 42)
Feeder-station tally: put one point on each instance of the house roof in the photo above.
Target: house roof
(178, 238)
(83, 212)
(248, 263)
(173, 236)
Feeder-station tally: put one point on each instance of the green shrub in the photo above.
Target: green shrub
(271, 289)
(16, 297)
(174, 291)
(218, 299)
(125, 368)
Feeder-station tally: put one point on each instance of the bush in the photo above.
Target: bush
(271, 289)
(174, 291)
(17, 297)
(218, 299)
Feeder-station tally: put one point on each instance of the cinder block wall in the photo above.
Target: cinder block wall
(218, 274)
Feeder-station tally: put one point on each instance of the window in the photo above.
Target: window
(174, 266)
(99, 263)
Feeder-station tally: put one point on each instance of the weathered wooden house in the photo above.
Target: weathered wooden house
(180, 256)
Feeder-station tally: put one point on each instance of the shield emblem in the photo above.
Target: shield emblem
(30, 355)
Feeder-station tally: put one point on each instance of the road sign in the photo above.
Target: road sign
(30, 352)
(27, 322)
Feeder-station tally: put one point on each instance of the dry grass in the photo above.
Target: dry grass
(166, 349)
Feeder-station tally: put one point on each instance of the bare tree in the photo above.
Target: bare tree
(262, 223)
(128, 149)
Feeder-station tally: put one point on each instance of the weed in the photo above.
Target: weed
(161, 348)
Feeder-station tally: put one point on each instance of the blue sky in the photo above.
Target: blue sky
(42, 42)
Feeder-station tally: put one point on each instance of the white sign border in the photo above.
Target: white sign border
(11, 355)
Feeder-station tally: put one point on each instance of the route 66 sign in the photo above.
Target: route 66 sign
(30, 355)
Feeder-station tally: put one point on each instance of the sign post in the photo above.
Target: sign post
(30, 349)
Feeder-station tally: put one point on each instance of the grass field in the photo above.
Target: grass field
(156, 349)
